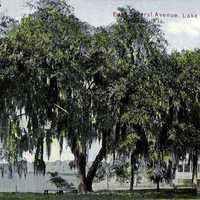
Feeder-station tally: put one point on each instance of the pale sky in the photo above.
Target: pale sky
(181, 32)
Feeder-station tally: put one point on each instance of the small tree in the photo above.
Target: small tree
(58, 181)
(159, 172)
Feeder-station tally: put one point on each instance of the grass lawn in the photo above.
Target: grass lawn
(148, 195)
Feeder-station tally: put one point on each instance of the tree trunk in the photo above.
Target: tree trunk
(158, 185)
(194, 169)
(132, 171)
(175, 161)
(87, 180)
(100, 156)
(85, 185)
(81, 164)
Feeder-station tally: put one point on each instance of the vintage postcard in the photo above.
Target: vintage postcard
(99, 98)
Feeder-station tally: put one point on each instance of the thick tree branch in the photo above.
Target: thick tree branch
(61, 108)
(100, 156)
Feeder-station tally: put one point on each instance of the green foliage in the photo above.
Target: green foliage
(59, 182)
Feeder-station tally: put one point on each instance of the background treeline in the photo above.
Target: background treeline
(61, 78)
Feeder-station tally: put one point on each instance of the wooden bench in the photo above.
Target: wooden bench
(58, 191)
